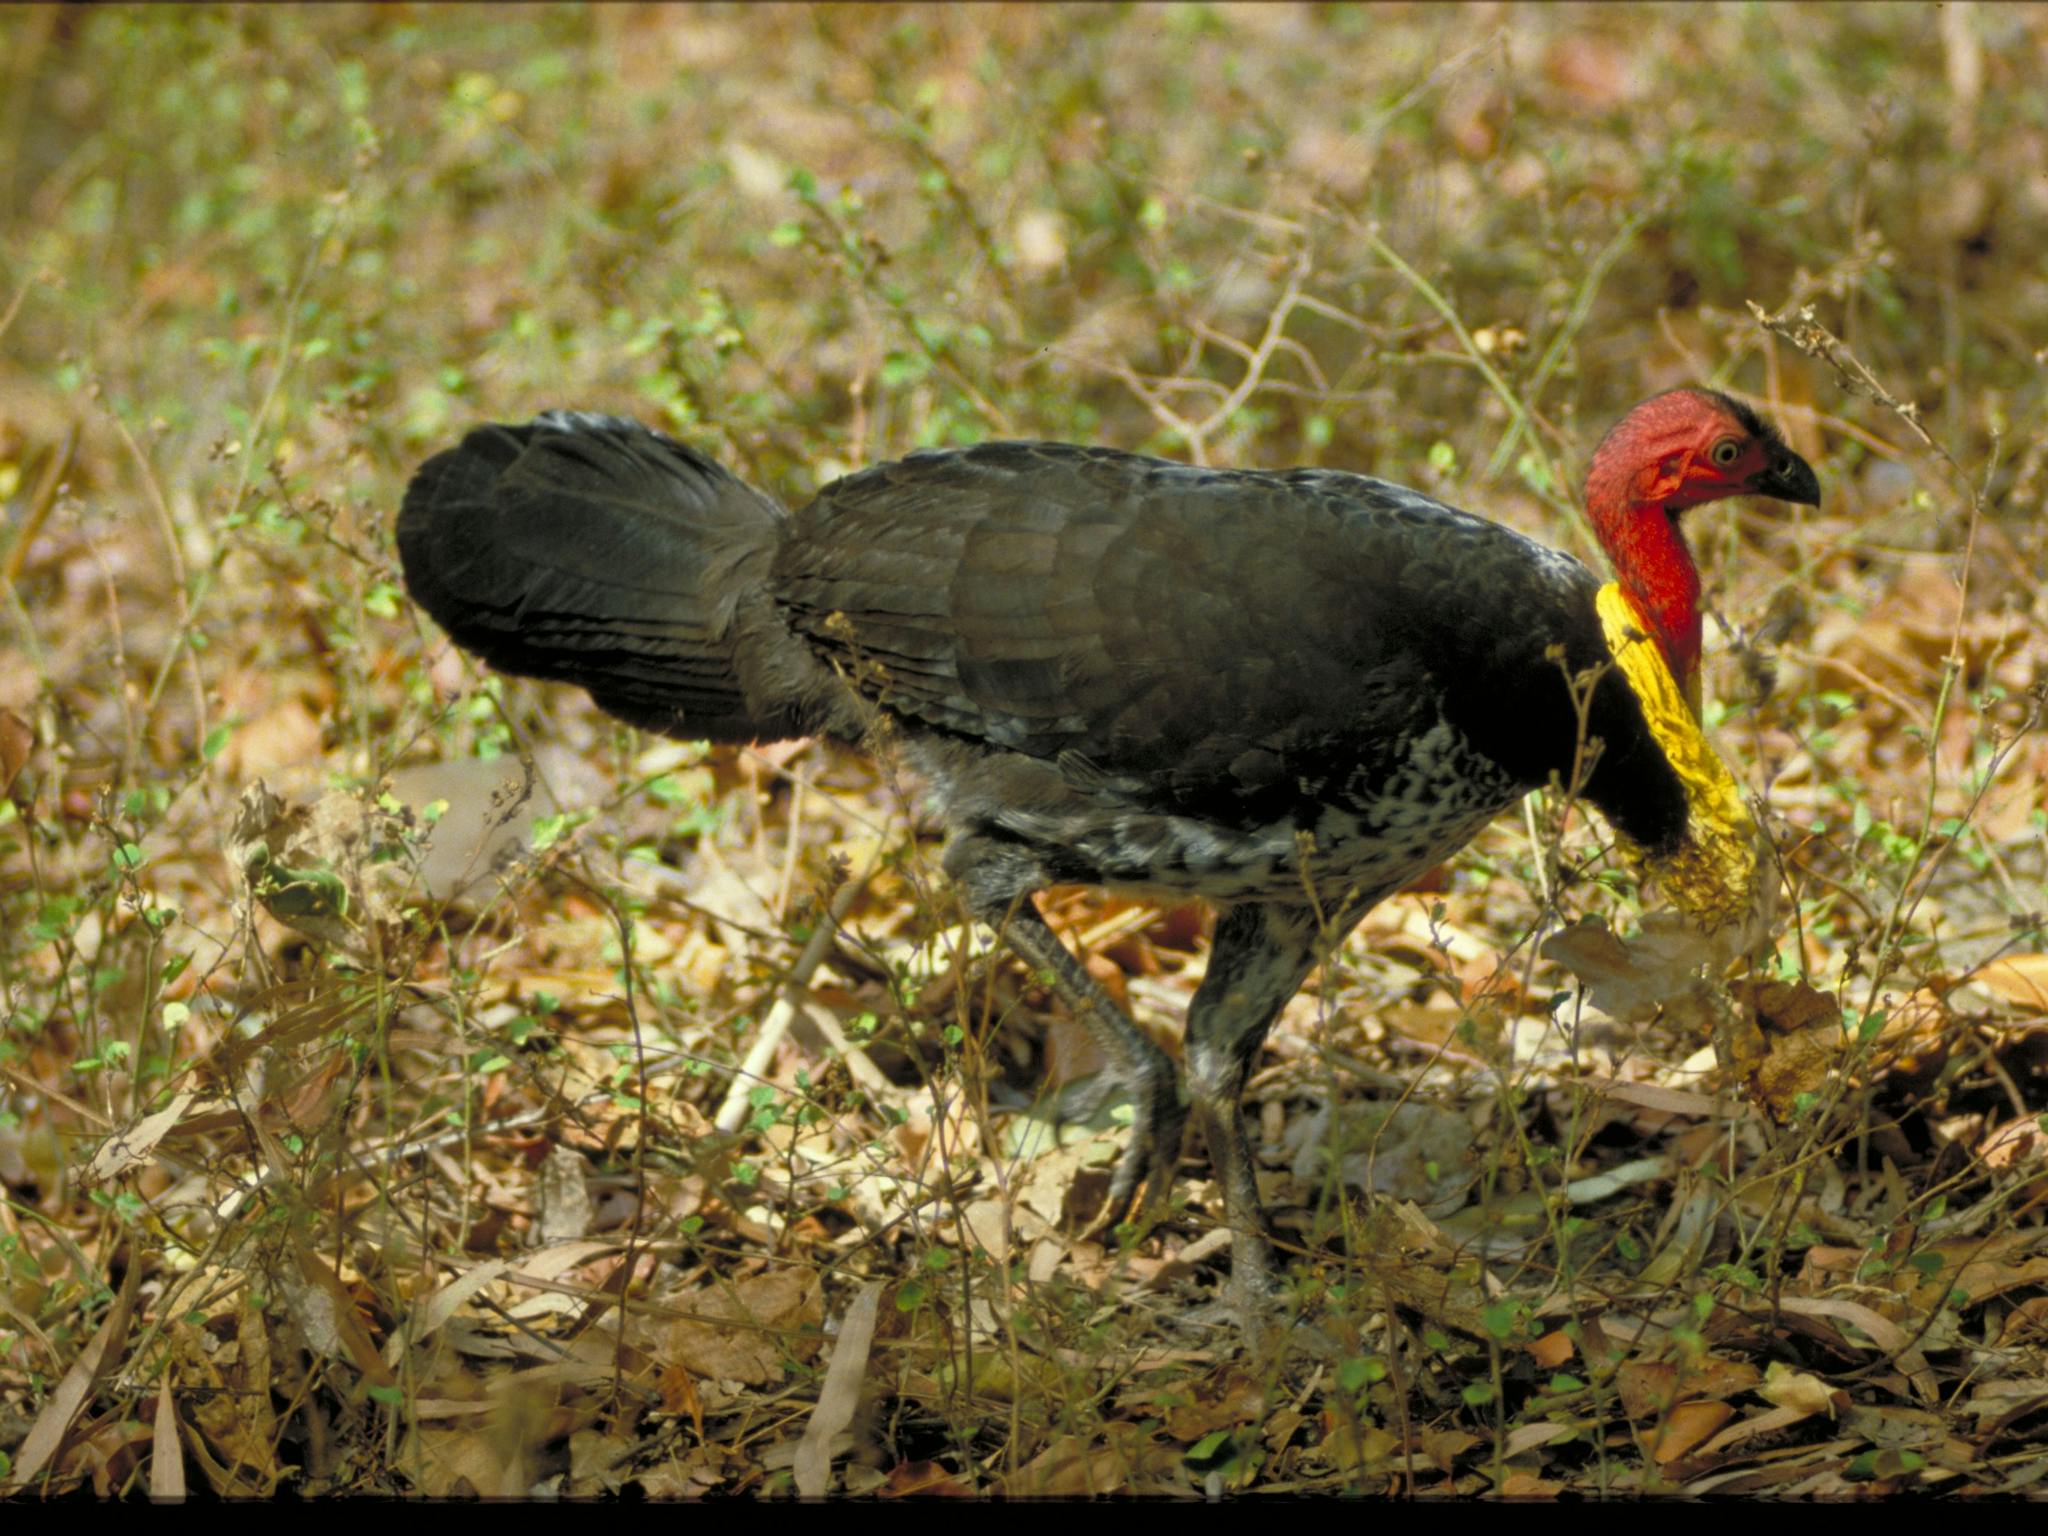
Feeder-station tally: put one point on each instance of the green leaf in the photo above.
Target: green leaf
(1360, 1372)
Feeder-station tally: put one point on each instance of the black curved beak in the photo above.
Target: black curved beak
(1788, 478)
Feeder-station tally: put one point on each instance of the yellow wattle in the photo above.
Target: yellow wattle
(1712, 873)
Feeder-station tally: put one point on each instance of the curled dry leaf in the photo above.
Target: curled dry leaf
(1796, 1390)
(2014, 1143)
(1784, 1039)
(124, 1149)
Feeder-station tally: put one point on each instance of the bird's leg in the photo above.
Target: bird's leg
(1261, 955)
(1135, 1063)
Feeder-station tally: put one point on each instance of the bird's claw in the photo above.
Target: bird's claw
(1151, 1158)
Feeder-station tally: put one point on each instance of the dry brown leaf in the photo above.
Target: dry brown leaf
(1984, 1272)
(1669, 1101)
(1788, 1007)
(1352, 1449)
(1634, 980)
(232, 1429)
(1650, 1387)
(840, 1396)
(1069, 1468)
(1183, 1262)
(72, 1392)
(1797, 1391)
(325, 1310)
(17, 740)
(106, 1453)
(166, 1464)
(1070, 1051)
(598, 1459)
(745, 1331)
(455, 1463)
(1236, 1399)
(2021, 979)
(1593, 73)
(1881, 1330)
(284, 737)
(1686, 1427)
(923, 1479)
(486, 811)
(562, 1193)
(1766, 1423)
(430, 1312)
(124, 1149)
(678, 1389)
(2014, 1143)
(1529, 1437)
(1444, 1446)
(2026, 1322)
(1786, 1038)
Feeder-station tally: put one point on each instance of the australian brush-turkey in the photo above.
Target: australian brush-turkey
(1287, 692)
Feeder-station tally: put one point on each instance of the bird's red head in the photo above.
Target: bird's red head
(1677, 450)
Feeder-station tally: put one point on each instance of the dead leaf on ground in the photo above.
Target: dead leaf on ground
(923, 1479)
(1217, 1405)
(47, 1434)
(455, 1463)
(1072, 1467)
(1637, 979)
(1353, 1448)
(17, 740)
(1800, 1391)
(1650, 1387)
(124, 1149)
(2014, 1143)
(220, 1374)
(166, 1464)
(840, 1396)
(744, 1332)
(1687, 1427)
(1443, 1447)
(2021, 979)
(1786, 1038)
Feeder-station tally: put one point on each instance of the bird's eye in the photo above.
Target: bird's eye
(1726, 451)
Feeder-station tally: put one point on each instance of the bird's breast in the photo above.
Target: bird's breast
(1358, 830)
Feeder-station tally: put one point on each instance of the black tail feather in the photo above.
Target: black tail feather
(590, 550)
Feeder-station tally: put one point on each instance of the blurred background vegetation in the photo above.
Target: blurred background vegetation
(256, 263)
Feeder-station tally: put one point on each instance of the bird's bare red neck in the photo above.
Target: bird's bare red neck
(1635, 478)
(1657, 574)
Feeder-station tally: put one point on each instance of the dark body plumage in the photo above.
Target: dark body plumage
(1112, 669)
